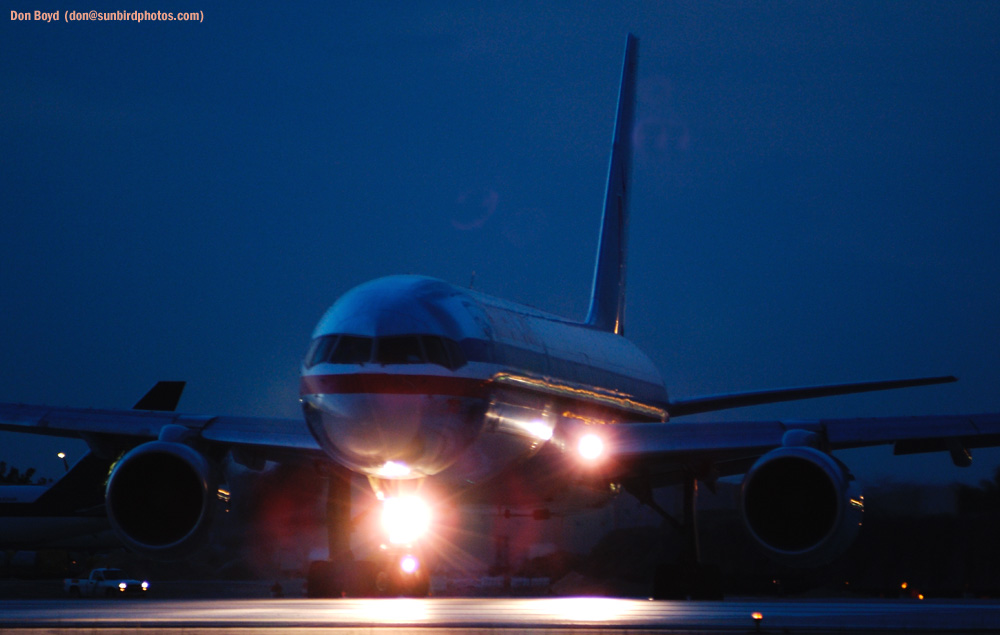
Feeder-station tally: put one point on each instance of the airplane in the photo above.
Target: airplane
(438, 393)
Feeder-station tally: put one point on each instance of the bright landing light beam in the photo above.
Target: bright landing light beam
(405, 519)
(591, 447)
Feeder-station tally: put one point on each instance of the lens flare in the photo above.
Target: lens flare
(405, 519)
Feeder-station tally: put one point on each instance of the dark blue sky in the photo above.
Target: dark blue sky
(815, 194)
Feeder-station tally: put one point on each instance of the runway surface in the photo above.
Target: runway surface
(565, 615)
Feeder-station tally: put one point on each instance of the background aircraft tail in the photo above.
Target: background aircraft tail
(607, 299)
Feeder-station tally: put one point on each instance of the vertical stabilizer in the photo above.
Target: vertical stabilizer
(607, 299)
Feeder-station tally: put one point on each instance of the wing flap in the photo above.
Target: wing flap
(981, 430)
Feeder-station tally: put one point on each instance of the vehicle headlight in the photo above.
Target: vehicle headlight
(122, 586)
(145, 585)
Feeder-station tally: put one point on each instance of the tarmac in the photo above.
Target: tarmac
(564, 615)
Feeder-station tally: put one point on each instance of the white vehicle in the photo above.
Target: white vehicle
(105, 583)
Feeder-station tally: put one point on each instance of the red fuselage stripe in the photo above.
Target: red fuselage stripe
(382, 383)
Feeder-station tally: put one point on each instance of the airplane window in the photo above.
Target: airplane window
(436, 352)
(351, 349)
(455, 353)
(320, 349)
(308, 360)
(399, 350)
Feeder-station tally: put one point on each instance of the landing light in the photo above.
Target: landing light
(590, 447)
(539, 429)
(392, 469)
(405, 519)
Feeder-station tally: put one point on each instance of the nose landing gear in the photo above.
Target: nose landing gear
(403, 576)
(396, 569)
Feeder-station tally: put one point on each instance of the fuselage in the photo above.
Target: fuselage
(30, 519)
(409, 377)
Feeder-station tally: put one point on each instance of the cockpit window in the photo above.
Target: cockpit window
(320, 349)
(455, 354)
(339, 349)
(436, 353)
(351, 349)
(403, 349)
(395, 349)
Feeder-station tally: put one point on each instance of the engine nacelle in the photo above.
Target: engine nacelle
(160, 499)
(801, 505)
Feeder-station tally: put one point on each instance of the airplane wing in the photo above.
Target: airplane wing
(173, 483)
(800, 504)
(681, 407)
(264, 437)
(655, 450)
(662, 452)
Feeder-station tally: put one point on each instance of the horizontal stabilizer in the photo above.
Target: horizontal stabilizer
(683, 407)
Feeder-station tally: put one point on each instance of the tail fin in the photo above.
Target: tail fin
(163, 396)
(607, 299)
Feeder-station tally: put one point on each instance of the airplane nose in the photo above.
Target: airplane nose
(392, 435)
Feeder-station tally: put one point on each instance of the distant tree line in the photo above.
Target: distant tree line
(14, 476)
(982, 499)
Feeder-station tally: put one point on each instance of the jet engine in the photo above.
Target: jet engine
(801, 505)
(160, 498)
